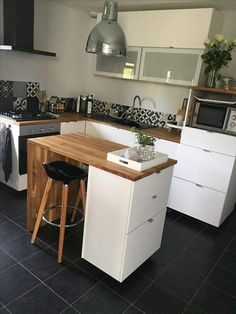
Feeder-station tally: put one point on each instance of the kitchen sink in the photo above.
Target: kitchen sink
(127, 122)
(138, 125)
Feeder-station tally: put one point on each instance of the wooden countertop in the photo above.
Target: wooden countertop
(161, 133)
(93, 151)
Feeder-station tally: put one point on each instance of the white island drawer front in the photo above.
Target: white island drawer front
(196, 201)
(142, 243)
(221, 143)
(207, 168)
(151, 185)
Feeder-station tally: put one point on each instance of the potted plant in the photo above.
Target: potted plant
(146, 145)
(217, 54)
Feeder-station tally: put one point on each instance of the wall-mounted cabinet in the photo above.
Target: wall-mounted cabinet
(173, 66)
(181, 28)
(162, 65)
(127, 68)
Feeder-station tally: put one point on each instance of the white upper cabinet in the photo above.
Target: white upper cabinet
(171, 65)
(182, 28)
(186, 28)
(133, 25)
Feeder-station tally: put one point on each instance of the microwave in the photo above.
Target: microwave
(215, 116)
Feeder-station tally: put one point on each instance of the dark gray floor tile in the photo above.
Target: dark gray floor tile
(180, 282)
(130, 288)
(21, 221)
(5, 260)
(153, 267)
(2, 219)
(193, 263)
(100, 300)
(133, 310)
(157, 300)
(192, 309)
(206, 249)
(71, 283)
(69, 310)
(223, 279)
(232, 246)
(4, 311)
(48, 234)
(9, 231)
(214, 235)
(229, 225)
(168, 251)
(214, 301)
(172, 216)
(14, 209)
(21, 247)
(72, 246)
(44, 264)
(89, 268)
(228, 260)
(38, 300)
(16, 281)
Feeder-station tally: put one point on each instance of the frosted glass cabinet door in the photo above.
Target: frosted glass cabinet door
(127, 67)
(171, 65)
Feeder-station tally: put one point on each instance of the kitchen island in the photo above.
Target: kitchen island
(125, 209)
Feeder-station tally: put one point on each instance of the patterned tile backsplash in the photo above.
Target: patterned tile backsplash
(13, 95)
(140, 115)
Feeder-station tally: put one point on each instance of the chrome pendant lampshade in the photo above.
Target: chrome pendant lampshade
(107, 37)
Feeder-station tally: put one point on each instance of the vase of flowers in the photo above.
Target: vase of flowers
(217, 54)
(146, 147)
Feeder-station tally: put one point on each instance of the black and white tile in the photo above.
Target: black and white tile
(6, 88)
(31, 88)
(159, 119)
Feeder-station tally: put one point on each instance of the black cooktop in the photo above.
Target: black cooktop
(26, 116)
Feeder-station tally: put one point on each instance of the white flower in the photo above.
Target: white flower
(219, 38)
(207, 42)
(226, 42)
(234, 42)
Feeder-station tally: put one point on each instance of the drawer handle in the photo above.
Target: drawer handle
(199, 185)
(206, 150)
(124, 161)
(150, 220)
(154, 197)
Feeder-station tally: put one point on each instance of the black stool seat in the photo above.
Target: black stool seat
(63, 171)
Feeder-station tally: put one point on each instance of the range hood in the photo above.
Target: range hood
(18, 27)
(107, 37)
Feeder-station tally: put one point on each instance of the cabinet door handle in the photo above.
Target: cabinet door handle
(206, 150)
(154, 196)
(199, 185)
(150, 220)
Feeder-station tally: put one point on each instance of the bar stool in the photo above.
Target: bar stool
(64, 172)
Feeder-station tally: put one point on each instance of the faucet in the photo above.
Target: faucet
(133, 106)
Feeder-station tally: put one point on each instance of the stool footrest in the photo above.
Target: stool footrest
(58, 225)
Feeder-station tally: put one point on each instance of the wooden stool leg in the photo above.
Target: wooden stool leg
(41, 209)
(62, 222)
(78, 198)
(83, 194)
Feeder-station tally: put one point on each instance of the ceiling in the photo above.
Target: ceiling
(138, 5)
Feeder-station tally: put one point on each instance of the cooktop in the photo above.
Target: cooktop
(26, 116)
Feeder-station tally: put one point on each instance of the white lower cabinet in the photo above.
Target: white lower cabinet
(121, 229)
(110, 133)
(204, 181)
(72, 127)
(196, 201)
(141, 243)
(167, 147)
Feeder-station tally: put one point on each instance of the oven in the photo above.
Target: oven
(32, 131)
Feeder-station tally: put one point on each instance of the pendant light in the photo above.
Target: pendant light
(107, 37)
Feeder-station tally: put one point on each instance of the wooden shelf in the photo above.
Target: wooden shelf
(214, 90)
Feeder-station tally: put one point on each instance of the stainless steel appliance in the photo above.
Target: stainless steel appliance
(215, 115)
(83, 103)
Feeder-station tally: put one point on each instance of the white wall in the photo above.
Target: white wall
(229, 31)
(58, 29)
